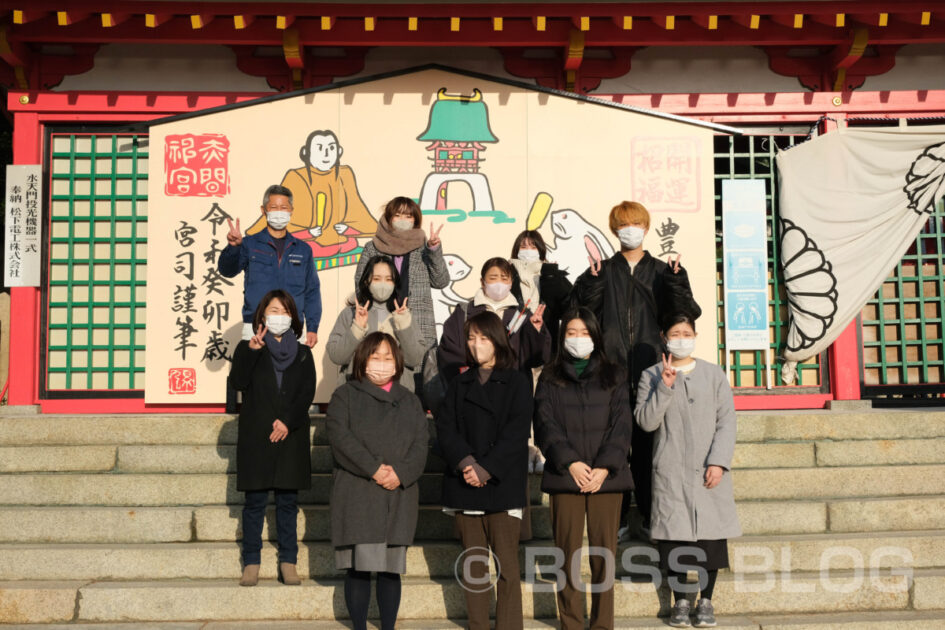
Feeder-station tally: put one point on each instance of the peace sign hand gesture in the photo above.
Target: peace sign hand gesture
(258, 340)
(669, 372)
(234, 237)
(434, 239)
(361, 313)
(537, 319)
(400, 309)
(673, 264)
(595, 265)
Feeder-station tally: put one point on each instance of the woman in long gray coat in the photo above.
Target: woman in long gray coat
(379, 440)
(418, 260)
(689, 404)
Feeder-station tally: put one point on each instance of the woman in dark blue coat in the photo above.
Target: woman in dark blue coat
(276, 374)
(482, 430)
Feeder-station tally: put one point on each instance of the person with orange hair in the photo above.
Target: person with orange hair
(630, 293)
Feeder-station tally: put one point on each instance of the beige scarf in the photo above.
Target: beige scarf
(393, 242)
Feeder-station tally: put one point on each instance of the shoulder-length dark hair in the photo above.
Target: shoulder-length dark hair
(535, 237)
(367, 347)
(259, 317)
(399, 204)
(363, 291)
(607, 373)
(488, 323)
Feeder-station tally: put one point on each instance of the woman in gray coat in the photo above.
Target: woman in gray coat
(377, 306)
(379, 440)
(418, 260)
(689, 404)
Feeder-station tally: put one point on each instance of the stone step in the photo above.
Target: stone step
(887, 620)
(750, 554)
(847, 482)
(213, 429)
(879, 452)
(200, 488)
(225, 600)
(148, 489)
(66, 524)
(205, 458)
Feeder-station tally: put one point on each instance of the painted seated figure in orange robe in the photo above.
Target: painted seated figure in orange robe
(328, 213)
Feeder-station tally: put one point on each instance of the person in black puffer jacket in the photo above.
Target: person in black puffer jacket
(582, 424)
(630, 293)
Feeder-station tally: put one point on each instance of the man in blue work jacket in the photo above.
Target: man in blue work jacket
(274, 259)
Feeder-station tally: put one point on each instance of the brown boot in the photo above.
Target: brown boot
(250, 575)
(289, 574)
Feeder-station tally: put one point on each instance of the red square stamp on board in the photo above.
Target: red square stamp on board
(666, 173)
(196, 165)
(181, 381)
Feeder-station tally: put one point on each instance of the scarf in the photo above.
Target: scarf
(282, 353)
(393, 242)
(580, 365)
(496, 307)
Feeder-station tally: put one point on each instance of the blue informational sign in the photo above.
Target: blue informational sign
(745, 265)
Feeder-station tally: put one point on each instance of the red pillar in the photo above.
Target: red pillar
(24, 301)
(845, 364)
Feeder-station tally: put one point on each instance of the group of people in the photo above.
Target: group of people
(598, 377)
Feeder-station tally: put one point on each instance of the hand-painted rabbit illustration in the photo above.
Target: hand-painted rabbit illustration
(446, 298)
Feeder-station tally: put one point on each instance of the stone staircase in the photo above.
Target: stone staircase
(132, 522)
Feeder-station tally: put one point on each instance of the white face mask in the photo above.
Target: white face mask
(631, 236)
(497, 291)
(278, 324)
(579, 347)
(379, 372)
(528, 255)
(381, 291)
(278, 219)
(402, 224)
(482, 351)
(681, 347)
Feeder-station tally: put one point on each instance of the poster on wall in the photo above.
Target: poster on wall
(745, 268)
(485, 159)
(23, 229)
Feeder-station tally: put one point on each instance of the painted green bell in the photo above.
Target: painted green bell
(458, 118)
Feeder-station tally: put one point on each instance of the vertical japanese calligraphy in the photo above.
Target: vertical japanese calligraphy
(21, 250)
(198, 305)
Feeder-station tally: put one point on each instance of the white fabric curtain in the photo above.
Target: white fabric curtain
(852, 202)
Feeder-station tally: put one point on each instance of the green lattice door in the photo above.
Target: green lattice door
(901, 326)
(752, 156)
(94, 298)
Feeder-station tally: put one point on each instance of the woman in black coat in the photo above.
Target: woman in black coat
(583, 423)
(276, 374)
(539, 280)
(379, 439)
(482, 430)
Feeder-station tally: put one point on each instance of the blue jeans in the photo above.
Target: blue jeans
(254, 511)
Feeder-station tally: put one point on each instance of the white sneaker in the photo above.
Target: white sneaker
(623, 534)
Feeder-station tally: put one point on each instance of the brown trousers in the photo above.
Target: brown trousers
(602, 512)
(498, 532)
